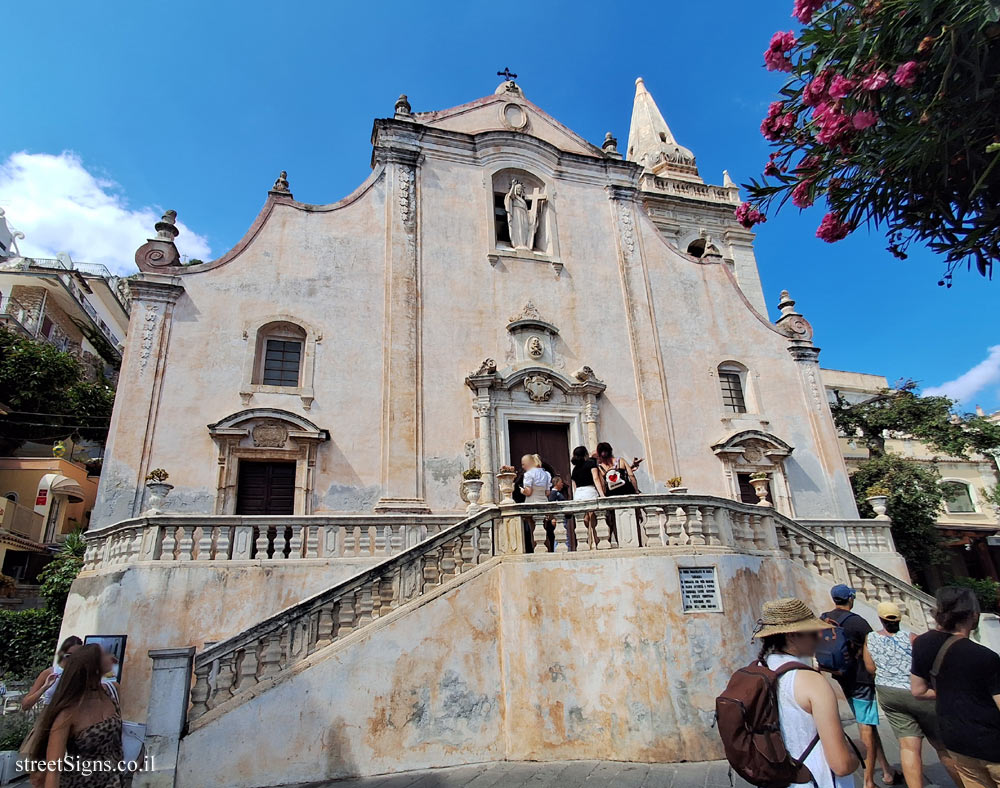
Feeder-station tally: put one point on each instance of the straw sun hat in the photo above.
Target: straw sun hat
(788, 615)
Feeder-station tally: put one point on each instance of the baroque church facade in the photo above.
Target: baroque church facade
(498, 284)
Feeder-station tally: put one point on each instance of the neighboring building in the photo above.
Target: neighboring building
(81, 308)
(49, 490)
(968, 523)
(497, 286)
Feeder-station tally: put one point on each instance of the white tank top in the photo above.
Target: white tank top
(798, 728)
(46, 698)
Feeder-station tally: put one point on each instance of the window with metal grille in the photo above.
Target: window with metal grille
(282, 358)
(700, 590)
(732, 392)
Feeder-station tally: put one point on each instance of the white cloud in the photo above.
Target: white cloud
(967, 385)
(62, 207)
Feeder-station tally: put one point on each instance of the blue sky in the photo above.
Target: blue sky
(196, 106)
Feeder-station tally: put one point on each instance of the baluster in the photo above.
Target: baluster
(388, 589)
(200, 691)
(311, 541)
(270, 660)
(808, 554)
(352, 535)
(581, 532)
(793, 547)
(447, 563)
(205, 543)
(431, 566)
(295, 542)
(186, 543)
(246, 674)
(260, 545)
(823, 563)
(344, 615)
(468, 550)
(752, 527)
(560, 535)
(602, 531)
(325, 624)
(484, 549)
(368, 540)
(223, 542)
(713, 534)
(225, 676)
(538, 533)
(364, 605)
(168, 542)
(674, 527)
(380, 540)
(693, 525)
(653, 526)
(394, 541)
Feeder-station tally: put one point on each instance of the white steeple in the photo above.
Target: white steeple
(651, 143)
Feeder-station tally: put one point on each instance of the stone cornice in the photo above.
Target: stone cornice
(163, 288)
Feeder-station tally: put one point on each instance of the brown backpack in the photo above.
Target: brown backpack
(747, 715)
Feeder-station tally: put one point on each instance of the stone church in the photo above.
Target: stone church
(498, 284)
(314, 561)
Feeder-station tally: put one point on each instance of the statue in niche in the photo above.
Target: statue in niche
(522, 221)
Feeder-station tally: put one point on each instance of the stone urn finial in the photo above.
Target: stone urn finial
(403, 108)
(160, 252)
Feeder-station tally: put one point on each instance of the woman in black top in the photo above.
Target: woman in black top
(964, 680)
(584, 478)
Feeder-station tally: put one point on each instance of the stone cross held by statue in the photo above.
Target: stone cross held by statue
(506, 74)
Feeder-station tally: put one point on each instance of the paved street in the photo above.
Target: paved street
(592, 774)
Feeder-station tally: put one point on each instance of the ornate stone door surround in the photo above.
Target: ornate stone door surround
(751, 451)
(266, 434)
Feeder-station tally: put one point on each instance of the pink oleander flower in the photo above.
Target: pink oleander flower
(800, 195)
(864, 119)
(815, 92)
(803, 10)
(833, 124)
(906, 74)
(776, 57)
(832, 228)
(875, 81)
(840, 86)
(748, 215)
(778, 123)
(772, 167)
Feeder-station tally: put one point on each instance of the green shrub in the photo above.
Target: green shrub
(29, 641)
(987, 591)
(13, 729)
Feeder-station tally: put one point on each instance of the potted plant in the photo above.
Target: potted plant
(156, 481)
(878, 496)
(505, 480)
(674, 485)
(472, 487)
(761, 481)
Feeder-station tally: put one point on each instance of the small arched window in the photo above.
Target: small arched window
(279, 354)
(697, 247)
(732, 379)
(11, 496)
(957, 497)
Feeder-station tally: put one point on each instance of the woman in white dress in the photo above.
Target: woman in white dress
(807, 706)
(535, 488)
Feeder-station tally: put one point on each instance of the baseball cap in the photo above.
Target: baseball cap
(840, 591)
(888, 611)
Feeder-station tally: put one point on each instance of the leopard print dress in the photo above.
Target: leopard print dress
(101, 741)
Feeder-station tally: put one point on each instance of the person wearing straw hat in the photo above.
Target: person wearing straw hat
(888, 655)
(789, 633)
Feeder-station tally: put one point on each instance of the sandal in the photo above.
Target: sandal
(897, 779)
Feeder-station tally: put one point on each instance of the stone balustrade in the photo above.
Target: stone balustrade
(234, 538)
(230, 670)
(858, 536)
(244, 665)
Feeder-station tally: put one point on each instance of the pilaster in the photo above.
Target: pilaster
(122, 486)
(169, 690)
(644, 341)
(402, 443)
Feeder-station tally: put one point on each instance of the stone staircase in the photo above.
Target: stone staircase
(242, 667)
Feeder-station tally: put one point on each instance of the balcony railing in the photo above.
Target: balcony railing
(166, 538)
(17, 316)
(242, 666)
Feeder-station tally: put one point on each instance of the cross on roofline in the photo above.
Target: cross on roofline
(506, 74)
